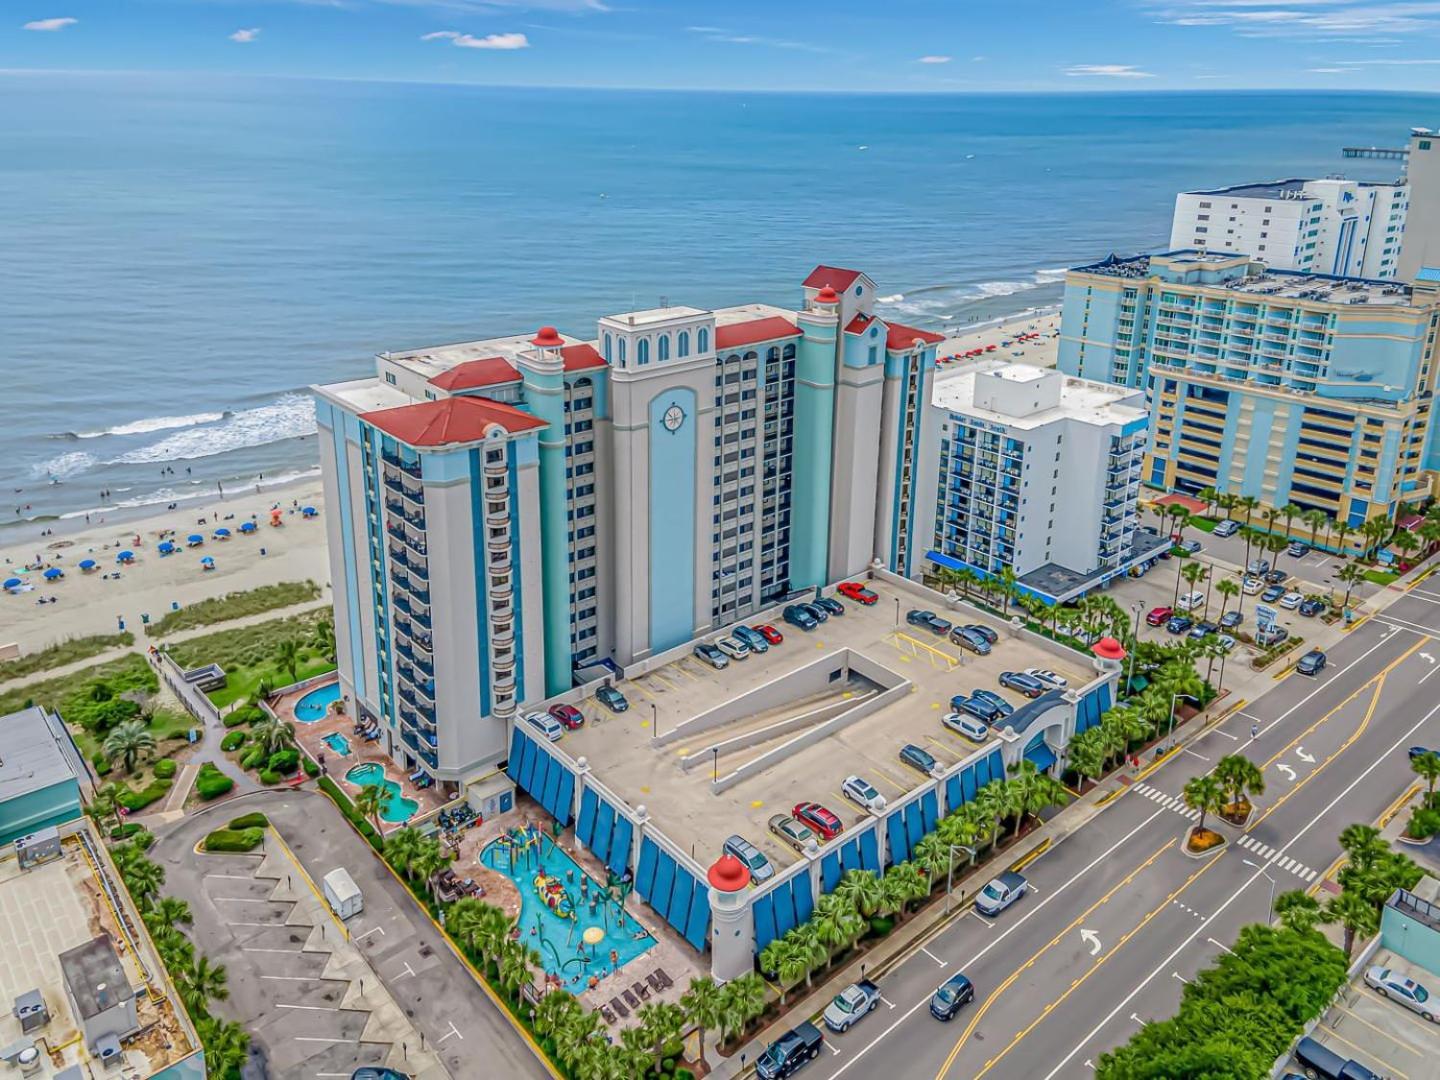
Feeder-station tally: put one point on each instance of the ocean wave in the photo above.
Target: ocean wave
(941, 301)
(153, 423)
(166, 495)
(288, 417)
(63, 466)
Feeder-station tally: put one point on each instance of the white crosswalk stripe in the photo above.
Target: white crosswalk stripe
(1287, 863)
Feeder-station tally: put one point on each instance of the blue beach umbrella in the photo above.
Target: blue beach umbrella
(125, 556)
(166, 547)
(53, 573)
(207, 562)
(223, 533)
(195, 538)
(13, 583)
(247, 527)
(87, 564)
(309, 511)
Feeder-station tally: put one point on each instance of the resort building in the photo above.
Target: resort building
(1330, 226)
(1039, 472)
(1292, 388)
(516, 515)
(1422, 223)
(41, 774)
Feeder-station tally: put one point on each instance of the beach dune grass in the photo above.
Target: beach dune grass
(235, 605)
(250, 655)
(64, 652)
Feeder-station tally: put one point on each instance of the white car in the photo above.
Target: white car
(1190, 601)
(972, 727)
(1291, 600)
(862, 793)
(1396, 987)
(1252, 586)
(733, 648)
(1048, 677)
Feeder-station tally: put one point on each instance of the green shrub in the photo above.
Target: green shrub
(165, 768)
(284, 761)
(211, 783)
(1424, 823)
(684, 1074)
(253, 820)
(102, 765)
(667, 1066)
(234, 839)
(269, 777)
(126, 831)
(253, 759)
(233, 740)
(881, 925)
(235, 605)
(311, 769)
(244, 714)
(137, 800)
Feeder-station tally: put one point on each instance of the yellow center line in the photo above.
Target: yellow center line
(980, 1012)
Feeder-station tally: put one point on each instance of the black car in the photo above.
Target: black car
(1231, 619)
(984, 631)
(1202, 630)
(1178, 624)
(612, 699)
(796, 1048)
(1312, 663)
(819, 614)
(976, 706)
(929, 620)
(1276, 577)
(796, 615)
(830, 604)
(1312, 607)
(966, 638)
(950, 996)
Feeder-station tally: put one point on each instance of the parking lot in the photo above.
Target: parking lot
(1317, 569)
(921, 670)
(1381, 1035)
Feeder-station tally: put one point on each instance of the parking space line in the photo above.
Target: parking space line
(292, 978)
(230, 877)
(1381, 1031)
(244, 900)
(1333, 1034)
(317, 1038)
(287, 952)
(896, 784)
(307, 1008)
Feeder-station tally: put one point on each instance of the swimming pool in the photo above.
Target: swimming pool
(316, 703)
(555, 933)
(338, 743)
(397, 807)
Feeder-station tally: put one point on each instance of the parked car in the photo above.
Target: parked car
(769, 633)
(976, 707)
(1000, 893)
(1391, 984)
(1179, 624)
(927, 620)
(862, 793)
(1276, 577)
(968, 639)
(1311, 607)
(1004, 707)
(1298, 549)
(950, 996)
(791, 1052)
(1159, 615)
(851, 1005)
(1291, 600)
(967, 724)
(1028, 685)
(754, 859)
(829, 604)
(568, 715)
(1230, 620)
(546, 725)
(984, 631)
(1194, 547)
(853, 590)
(1201, 630)
(378, 1072)
(1258, 567)
(753, 639)
(797, 616)
(1421, 751)
(1319, 1060)
(1226, 642)
(1273, 593)
(1251, 585)
(819, 614)
(734, 648)
(1190, 601)
(1274, 635)
(612, 698)
(1048, 677)
(826, 824)
(919, 759)
(1312, 663)
(789, 830)
(711, 655)
(1228, 527)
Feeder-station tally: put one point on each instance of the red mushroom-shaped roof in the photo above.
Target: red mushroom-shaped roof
(1107, 648)
(547, 338)
(827, 295)
(728, 874)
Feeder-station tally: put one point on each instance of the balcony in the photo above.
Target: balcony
(408, 468)
(499, 562)
(497, 487)
(499, 543)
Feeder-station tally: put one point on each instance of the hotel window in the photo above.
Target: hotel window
(682, 343)
(607, 348)
(622, 352)
(390, 377)
(663, 347)
(702, 340)
(642, 351)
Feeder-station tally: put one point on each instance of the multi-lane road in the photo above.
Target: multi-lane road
(1119, 918)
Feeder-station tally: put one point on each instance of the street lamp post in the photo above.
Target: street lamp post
(1271, 917)
(950, 874)
(1134, 641)
(654, 721)
(1170, 731)
(714, 764)
(897, 611)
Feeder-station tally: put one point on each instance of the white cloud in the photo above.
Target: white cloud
(1107, 71)
(244, 37)
(728, 37)
(50, 24)
(1331, 71)
(935, 59)
(1343, 19)
(501, 42)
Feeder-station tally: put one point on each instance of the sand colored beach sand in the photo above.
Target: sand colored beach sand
(1041, 352)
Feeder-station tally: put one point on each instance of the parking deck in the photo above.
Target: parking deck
(901, 679)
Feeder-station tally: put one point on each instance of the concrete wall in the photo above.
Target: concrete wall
(821, 713)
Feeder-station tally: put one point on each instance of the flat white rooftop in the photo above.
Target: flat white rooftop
(433, 360)
(367, 395)
(1081, 400)
(749, 312)
(656, 316)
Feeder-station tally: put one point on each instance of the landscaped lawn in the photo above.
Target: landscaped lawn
(1381, 577)
(249, 655)
(235, 605)
(66, 652)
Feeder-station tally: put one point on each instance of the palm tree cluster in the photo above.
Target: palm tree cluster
(1138, 719)
(198, 981)
(128, 741)
(1370, 876)
(417, 856)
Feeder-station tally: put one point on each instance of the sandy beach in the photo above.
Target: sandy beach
(1041, 352)
(96, 602)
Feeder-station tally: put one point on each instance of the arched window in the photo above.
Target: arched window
(702, 340)
(772, 354)
(663, 347)
(789, 352)
(607, 349)
(682, 344)
(622, 352)
(642, 351)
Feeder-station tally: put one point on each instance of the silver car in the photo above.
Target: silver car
(734, 648)
(1396, 987)
(753, 858)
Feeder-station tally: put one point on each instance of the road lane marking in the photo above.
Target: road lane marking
(1192, 753)
(932, 956)
(307, 1008)
(1398, 623)
(1006, 933)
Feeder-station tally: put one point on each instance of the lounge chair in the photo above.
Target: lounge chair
(641, 990)
(630, 999)
(606, 1013)
(654, 981)
(619, 1008)
(665, 979)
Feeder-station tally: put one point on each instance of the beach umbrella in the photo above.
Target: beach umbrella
(125, 556)
(87, 564)
(223, 533)
(207, 561)
(309, 511)
(247, 527)
(166, 547)
(13, 583)
(53, 573)
(195, 538)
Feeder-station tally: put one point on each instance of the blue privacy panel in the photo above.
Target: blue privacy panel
(982, 772)
(585, 827)
(697, 927)
(952, 792)
(895, 834)
(527, 765)
(997, 766)
(1103, 696)
(604, 825)
(763, 911)
(552, 782)
(804, 896)
(680, 894)
(564, 809)
(829, 871)
(929, 811)
(664, 882)
(512, 767)
(540, 779)
(914, 826)
(620, 844)
(869, 851)
(784, 909)
(968, 787)
(850, 855)
(645, 875)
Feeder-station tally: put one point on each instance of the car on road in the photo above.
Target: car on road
(1291, 600)
(568, 715)
(1190, 601)
(825, 824)
(1312, 663)
(1193, 547)
(972, 727)
(1050, 678)
(1001, 893)
(927, 620)
(1230, 620)
(754, 859)
(1276, 577)
(1178, 624)
(984, 631)
(1201, 630)
(1158, 616)
(1421, 751)
(977, 707)
(1391, 984)
(1028, 685)
(789, 830)
(769, 633)
(753, 639)
(1273, 593)
(1251, 585)
(791, 1052)
(1311, 607)
(995, 699)
(919, 759)
(862, 793)
(829, 604)
(853, 590)
(851, 1005)
(968, 639)
(1298, 549)
(546, 725)
(1318, 1060)
(815, 611)
(712, 655)
(1228, 527)
(798, 616)
(734, 648)
(612, 698)
(954, 993)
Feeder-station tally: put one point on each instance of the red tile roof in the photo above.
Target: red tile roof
(903, 337)
(449, 420)
(473, 374)
(836, 276)
(859, 324)
(748, 333)
(581, 357)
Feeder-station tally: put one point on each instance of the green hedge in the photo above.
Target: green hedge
(211, 783)
(137, 800)
(235, 605)
(253, 820)
(165, 768)
(253, 759)
(244, 714)
(270, 777)
(347, 808)
(126, 831)
(233, 740)
(234, 839)
(311, 769)
(284, 761)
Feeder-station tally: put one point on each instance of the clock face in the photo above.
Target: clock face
(673, 418)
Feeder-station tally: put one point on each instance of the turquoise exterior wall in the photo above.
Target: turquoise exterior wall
(672, 521)
(1407, 936)
(192, 1068)
(814, 444)
(340, 423)
(53, 805)
(544, 394)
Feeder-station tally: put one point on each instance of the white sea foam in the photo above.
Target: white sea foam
(289, 416)
(154, 423)
(892, 299)
(941, 301)
(166, 495)
(63, 466)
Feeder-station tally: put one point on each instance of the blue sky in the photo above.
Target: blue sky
(940, 45)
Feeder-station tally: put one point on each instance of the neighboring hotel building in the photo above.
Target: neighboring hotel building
(1288, 387)
(1039, 472)
(513, 515)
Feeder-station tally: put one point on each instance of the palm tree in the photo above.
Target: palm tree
(837, 923)
(1429, 531)
(806, 940)
(662, 1022)
(903, 884)
(1297, 910)
(1228, 588)
(106, 803)
(1207, 495)
(227, 1045)
(1351, 574)
(990, 801)
(1193, 573)
(401, 847)
(1179, 518)
(554, 1012)
(1005, 584)
(1247, 503)
(324, 637)
(1353, 912)
(1407, 543)
(1427, 767)
(790, 963)
(143, 878)
(1290, 512)
(287, 655)
(1124, 725)
(272, 733)
(494, 929)
(429, 860)
(745, 1000)
(371, 801)
(466, 915)
(1227, 502)
(169, 911)
(201, 983)
(175, 949)
(1375, 531)
(127, 741)
(1203, 793)
(861, 890)
(516, 960)
(1240, 778)
(1088, 754)
(1315, 519)
(703, 1003)
(1343, 528)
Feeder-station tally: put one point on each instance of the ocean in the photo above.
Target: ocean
(184, 256)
